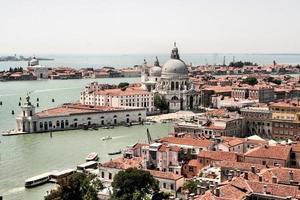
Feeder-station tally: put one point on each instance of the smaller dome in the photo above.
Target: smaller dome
(155, 71)
(33, 62)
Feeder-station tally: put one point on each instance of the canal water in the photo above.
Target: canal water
(25, 156)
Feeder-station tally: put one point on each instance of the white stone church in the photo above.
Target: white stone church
(171, 81)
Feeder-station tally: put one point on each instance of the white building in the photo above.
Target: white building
(39, 71)
(125, 97)
(75, 116)
(171, 82)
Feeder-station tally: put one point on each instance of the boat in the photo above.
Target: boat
(93, 156)
(148, 123)
(37, 180)
(115, 153)
(106, 138)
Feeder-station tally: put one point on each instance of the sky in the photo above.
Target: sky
(149, 26)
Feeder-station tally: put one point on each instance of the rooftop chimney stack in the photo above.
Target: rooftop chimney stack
(253, 169)
(274, 179)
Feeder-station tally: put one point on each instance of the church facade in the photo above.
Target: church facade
(172, 82)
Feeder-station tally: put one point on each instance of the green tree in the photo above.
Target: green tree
(79, 187)
(134, 184)
(123, 84)
(191, 186)
(250, 81)
(160, 102)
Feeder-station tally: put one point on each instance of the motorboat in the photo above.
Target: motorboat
(106, 138)
(115, 153)
(93, 156)
(37, 180)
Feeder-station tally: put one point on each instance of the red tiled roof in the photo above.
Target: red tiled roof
(273, 152)
(75, 109)
(165, 175)
(218, 155)
(188, 141)
(120, 92)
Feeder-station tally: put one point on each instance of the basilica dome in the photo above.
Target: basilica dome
(175, 66)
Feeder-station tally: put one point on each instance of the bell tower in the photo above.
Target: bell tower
(26, 121)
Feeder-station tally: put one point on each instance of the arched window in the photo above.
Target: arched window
(172, 85)
(57, 123)
(75, 119)
(127, 115)
(41, 124)
(50, 124)
(67, 123)
(115, 116)
(174, 98)
(177, 85)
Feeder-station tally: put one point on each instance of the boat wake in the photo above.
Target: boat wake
(14, 190)
(55, 89)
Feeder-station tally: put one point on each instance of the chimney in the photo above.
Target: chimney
(274, 179)
(238, 172)
(202, 190)
(217, 192)
(253, 169)
(291, 176)
(265, 189)
(192, 195)
(198, 190)
(246, 175)
(230, 176)
(260, 178)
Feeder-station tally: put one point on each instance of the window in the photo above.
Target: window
(164, 185)
(110, 176)
(264, 162)
(102, 174)
(172, 187)
(57, 123)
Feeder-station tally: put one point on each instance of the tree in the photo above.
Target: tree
(191, 186)
(79, 187)
(123, 84)
(160, 102)
(250, 81)
(134, 184)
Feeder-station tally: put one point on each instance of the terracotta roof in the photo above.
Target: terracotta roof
(240, 165)
(194, 163)
(123, 163)
(120, 92)
(165, 175)
(282, 174)
(218, 155)
(188, 141)
(75, 109)
(274, 152)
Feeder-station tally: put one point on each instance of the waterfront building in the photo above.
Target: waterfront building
(133, 96)
(75, 116)
(41, 72)
(172, 82)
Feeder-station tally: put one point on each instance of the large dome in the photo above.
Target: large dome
(175, 66)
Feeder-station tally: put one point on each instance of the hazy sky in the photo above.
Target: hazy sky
(150, 26)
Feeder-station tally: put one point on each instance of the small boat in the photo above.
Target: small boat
(37, 180)
(148, 123)
(115, 153)
(106, 138)
(12, 112)
(105, 127)
(93, 156)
